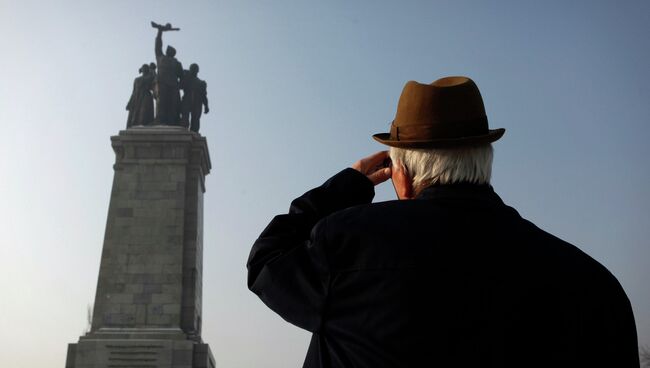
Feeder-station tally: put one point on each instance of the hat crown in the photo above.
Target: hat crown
(447, 112)
(445, 101)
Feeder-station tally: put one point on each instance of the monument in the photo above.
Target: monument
(164, 86)
(148, 304)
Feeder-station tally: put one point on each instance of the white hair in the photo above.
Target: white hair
(472, 164)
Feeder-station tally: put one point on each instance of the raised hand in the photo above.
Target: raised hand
(373, 167)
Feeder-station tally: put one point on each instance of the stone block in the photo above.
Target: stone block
(144, 151)
(124, 212)
(138, 258)
(112, 308)
(166, 202)
(140, 315)
(116, 288)
(116, 269)
(142, 278)
(154, 309)
(182, 357)
(172, 278)
(156, 177)
(122, 221)
(147, 213)
(153, 194)
(174, 289)
(125, 186)
(127, 308)
(119, 320)
(177, 176)
(134, 288)
(144, 298)
(141, 240)
(164, 298)
(133, 203)
(112, 277)
(172, 270)
(159, 320)
(153, 288)
(172, 230)
(120, 298)
(171, 308)
(117, 234)
(147, 268)
(174, 239)
(149, 223)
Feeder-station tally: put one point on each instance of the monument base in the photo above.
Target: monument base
(138, 348)
(148, 304)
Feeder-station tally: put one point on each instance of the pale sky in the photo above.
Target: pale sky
(296, 89)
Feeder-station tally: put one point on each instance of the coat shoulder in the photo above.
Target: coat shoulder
(416, 230)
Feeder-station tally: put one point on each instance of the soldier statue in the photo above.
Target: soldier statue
(140, 105)
(195, 98)
(170, 71)
(162, 82)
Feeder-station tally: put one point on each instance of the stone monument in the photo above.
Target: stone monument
(148, 304)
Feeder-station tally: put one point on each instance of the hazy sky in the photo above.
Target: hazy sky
(296, 89)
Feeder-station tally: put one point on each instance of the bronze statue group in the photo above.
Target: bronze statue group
(163, 81)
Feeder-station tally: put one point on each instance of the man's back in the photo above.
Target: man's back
(454, 278)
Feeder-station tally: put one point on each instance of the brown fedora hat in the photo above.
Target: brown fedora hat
(446, 113)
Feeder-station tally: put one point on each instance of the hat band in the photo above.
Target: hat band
(467, 128)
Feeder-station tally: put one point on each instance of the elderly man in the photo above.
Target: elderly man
(446, 276)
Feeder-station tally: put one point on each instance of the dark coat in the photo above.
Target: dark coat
(452, 278)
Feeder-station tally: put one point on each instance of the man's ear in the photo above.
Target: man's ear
(402, 181)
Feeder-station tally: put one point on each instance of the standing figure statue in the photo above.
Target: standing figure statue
(154, 85)
(186, 84)
(169, 73)
(195, 97)
(140, 105)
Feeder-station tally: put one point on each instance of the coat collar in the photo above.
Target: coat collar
(469, 191)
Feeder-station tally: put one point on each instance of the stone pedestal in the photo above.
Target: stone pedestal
(147, 310)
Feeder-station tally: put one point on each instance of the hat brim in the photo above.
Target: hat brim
(491, 136)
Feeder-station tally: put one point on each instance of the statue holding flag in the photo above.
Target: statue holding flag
(170, 71)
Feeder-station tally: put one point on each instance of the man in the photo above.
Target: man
(447, 275)
(169, 73)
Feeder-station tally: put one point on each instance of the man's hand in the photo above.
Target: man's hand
(373, 167)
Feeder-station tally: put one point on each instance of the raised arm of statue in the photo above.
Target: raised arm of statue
(161, 29)
(158, 48)
(166, 27)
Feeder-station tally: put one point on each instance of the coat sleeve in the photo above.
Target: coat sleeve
(287, 266)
